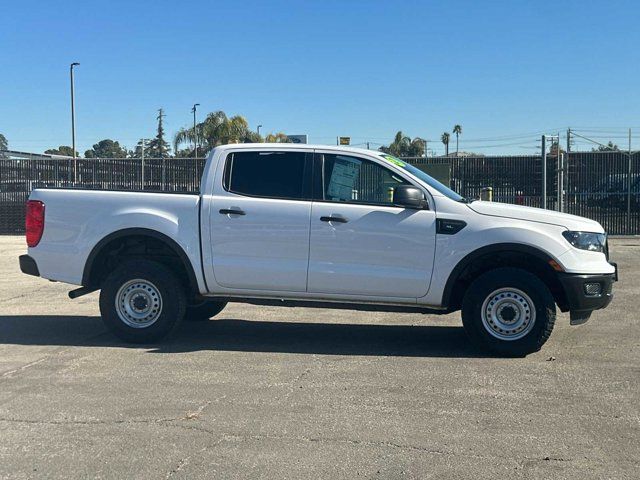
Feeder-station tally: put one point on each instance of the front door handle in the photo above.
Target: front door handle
(232, 211)
(334, 219)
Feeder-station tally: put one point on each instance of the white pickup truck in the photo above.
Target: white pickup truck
(307, 225)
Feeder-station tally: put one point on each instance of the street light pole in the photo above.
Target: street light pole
(73, 125)
(195, 131)
(259, 126)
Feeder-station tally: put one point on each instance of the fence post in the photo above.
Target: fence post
(560, 179)
(629, 187)
(164, 174)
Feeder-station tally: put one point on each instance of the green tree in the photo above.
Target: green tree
(184, 153)
(609, 147)
(158, 147)
(106, 148)
(404, 146)
(216, 129)
(457, 129)
(277, 138)
(253, 137)
(4, 145)
(553, 149)
(61, 150)
(445, 140)
(137, 151)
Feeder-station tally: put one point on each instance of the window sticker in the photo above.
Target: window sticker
(343, 178)
(396, 161)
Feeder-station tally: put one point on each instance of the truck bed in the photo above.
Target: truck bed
(77, 219)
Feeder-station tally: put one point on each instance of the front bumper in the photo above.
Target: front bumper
(28, 265)
(583, 296)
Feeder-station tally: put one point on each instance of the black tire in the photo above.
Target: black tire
(204, 311)
(484, 333)
(163, 288)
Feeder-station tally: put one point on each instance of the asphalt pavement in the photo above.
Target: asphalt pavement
(266, 392)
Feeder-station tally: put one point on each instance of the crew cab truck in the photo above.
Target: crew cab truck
(292, 225)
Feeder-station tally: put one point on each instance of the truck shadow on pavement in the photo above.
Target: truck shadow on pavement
(250, 336)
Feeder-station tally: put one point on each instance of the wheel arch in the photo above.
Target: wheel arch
(526, 257)
(90, 274)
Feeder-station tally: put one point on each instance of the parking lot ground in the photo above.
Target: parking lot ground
(308, 393)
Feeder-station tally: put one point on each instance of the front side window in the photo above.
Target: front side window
(356, 180)
(429, 180)
(267, 174)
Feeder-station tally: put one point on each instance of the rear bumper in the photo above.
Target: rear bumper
(579, 290)
(29, 266)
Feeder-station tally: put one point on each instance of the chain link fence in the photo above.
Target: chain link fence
(604, 186)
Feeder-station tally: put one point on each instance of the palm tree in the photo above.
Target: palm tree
(277, 138)
(445, 139)
(417, 147)
(404, 146)
(216, 129)
(457, 129)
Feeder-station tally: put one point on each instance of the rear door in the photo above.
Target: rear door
(260, 221)
(361, 244)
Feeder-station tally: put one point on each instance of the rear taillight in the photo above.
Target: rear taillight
(34, 222)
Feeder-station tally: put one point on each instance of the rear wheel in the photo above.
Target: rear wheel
(204, 311)
(508, 311)
(142, 301)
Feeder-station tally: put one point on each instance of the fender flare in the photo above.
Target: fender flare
(482, 252)
(139, 232)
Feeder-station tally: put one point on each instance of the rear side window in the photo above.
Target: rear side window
(268, 174)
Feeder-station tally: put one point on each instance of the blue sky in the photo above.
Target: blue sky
(505, 70)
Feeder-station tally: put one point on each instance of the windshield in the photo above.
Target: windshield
(429, 180)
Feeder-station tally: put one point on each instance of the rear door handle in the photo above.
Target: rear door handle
(232, 211)
(334, 219)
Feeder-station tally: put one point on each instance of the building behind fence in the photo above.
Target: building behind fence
(604, 186)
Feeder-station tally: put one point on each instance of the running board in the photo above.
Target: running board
(367, 307)
(78, 292)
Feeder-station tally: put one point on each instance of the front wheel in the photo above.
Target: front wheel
(142, 301)
(508, 311)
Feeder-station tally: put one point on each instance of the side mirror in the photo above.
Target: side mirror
(408, 196)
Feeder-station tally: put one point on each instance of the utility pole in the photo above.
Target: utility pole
(259, 127)
(568, 139)
(544, 171)
(426, 145)
(560, 177)
(556, 139)
(73, 125)
(367, 145)
(195, 130)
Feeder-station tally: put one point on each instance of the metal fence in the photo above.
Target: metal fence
(604, 186)
(23, 173)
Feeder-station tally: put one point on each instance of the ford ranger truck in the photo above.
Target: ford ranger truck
(319, 226)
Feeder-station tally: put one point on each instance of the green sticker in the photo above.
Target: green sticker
(394, 160)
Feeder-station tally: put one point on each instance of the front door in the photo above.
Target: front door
(360, 243)
(260, 221)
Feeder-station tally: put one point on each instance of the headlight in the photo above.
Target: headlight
(594, 242)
